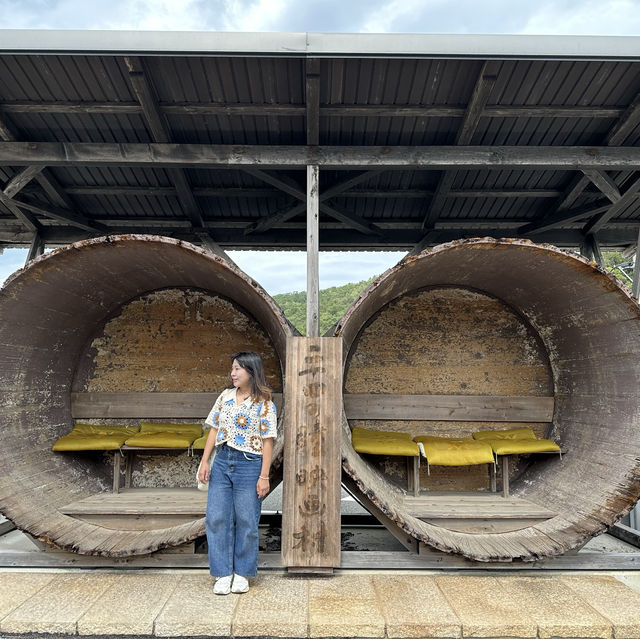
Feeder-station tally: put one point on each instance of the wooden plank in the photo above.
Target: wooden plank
(313, 251)
(352, 560)
(483, 408)
(141, 501)
(332, 111)
(312, 463)
(635, 288)
(328, 157)
(146, 405)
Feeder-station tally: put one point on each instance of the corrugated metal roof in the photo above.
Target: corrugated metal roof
(374, 91)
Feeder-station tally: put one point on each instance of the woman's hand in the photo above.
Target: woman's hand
(262, 487)
(203, 472)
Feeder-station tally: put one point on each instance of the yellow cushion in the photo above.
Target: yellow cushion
(164, 439)
(379, 442)
(200, 443)
(185, 429)
(521, 446)
(94, 437)
(450, 451)
(513, 433)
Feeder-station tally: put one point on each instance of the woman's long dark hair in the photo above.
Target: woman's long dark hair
(252, 363)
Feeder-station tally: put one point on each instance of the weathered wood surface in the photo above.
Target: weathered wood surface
(466, 408)
(327, 157)
(311, 495)
(146, 405)
(313, 251)
(577, 330)
(123, 314)
(476, 505)
(353, 560)
(142, 501)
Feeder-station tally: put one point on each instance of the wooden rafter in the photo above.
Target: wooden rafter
(62, 215)
(255, 192)
(312, 101)
(161, 133)
(45, 179)
(625, 124)
(596, 223)
(294, 190)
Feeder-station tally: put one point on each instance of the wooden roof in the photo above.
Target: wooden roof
(419, 139)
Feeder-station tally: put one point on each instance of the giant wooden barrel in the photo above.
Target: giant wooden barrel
(499, 319)
(145, 315)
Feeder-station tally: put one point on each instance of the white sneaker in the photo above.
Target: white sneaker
(240, 584)
(222, 585)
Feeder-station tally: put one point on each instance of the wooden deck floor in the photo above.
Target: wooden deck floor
(147, 508)
(140, 508)
(475, 512)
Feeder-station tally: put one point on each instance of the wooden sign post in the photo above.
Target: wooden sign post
(311, 495)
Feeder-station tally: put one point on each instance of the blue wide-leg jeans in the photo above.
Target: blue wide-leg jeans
(233, 513)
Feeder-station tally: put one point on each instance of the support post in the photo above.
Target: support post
(36, 249)
(635, 287)
(312, 462)
(313, 245)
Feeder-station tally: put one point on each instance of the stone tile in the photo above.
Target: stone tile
(344, 606)
(414, 606)
(276, 606)
(613, 600)
(17, 587)
(483, 608)
(556, 609)
(130, 606)
(631, 580)
(193, 610)
(57, 606)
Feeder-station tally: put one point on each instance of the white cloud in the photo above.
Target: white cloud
(587, 17)
(259, 15)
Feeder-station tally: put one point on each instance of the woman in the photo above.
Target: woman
(243, 427)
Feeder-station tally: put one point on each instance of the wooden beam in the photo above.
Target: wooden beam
(326, 110)
(479, 98)
(590, 249)
(448, 407)
(328, 157)
(20, 180)
(599, 220)
(627, 121)
(561, 219)
(14, 186)
(312, 100)
(333, 237)
(635, 287)
(605, 183)
(161, 133)
(37, 247)
(270, 221)
(313, 251)
(62, 215)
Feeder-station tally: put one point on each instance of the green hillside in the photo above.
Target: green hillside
(334, 302)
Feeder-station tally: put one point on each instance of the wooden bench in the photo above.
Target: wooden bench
(463, 408)
(144, 406)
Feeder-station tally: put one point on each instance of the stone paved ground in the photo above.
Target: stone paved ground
(356, 604)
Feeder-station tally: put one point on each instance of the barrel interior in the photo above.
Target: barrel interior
(447, 341)
(130, 314)
(501, 318)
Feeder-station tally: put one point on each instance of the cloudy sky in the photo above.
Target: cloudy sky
(285, 272)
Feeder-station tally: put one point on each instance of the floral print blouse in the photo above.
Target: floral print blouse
(242, 426)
